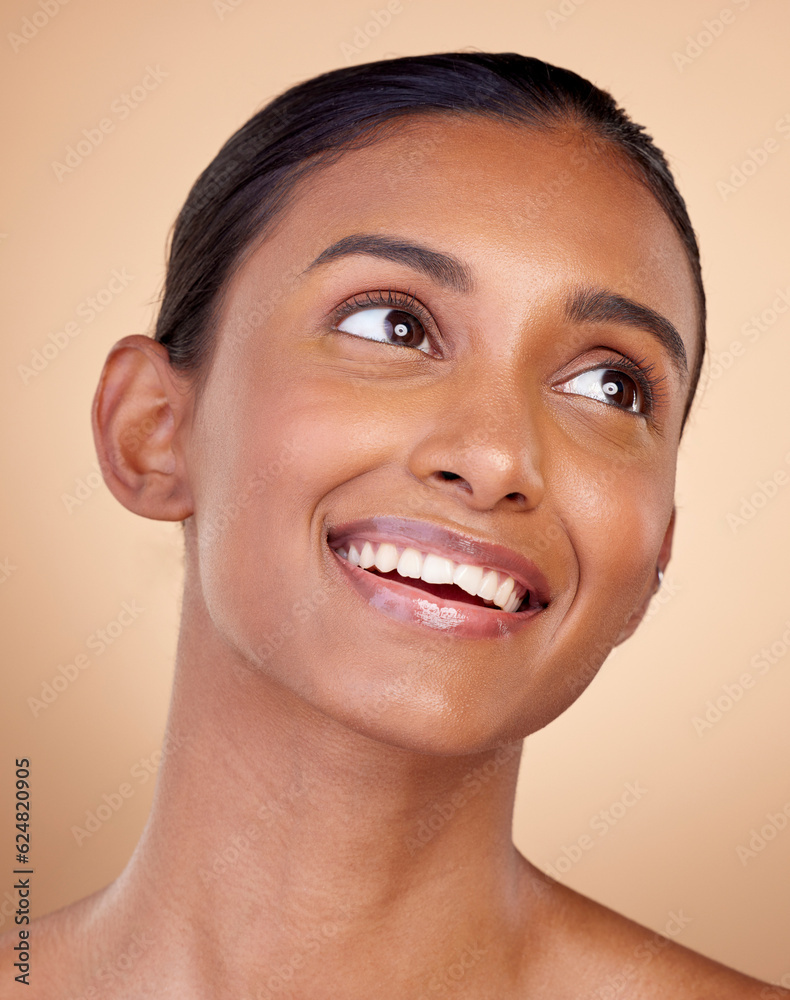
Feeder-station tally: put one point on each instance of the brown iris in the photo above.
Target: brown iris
(402, 328)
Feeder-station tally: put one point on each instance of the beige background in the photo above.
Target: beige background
(70, 564)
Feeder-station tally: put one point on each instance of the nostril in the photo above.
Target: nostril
(449, 475)
(517, 496)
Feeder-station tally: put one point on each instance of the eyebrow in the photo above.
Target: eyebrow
(590, 305)
(442, 268)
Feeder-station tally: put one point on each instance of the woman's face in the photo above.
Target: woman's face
(515, 397)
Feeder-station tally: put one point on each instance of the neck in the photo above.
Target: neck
(284, 844)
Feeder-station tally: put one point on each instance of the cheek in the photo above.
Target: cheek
(266, 469)
(617, 518)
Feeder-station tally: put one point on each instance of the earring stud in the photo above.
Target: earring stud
(660, 575)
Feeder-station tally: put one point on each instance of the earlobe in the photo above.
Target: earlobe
(661, 564)
(139, 418)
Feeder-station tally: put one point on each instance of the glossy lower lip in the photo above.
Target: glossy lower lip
(412, 606)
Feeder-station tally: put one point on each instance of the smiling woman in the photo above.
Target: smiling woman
(430, 334)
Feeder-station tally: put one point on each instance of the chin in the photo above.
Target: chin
(435, 727)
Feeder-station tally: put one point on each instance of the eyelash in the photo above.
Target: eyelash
(641, 370)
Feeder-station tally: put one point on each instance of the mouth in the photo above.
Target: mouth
(420, 572)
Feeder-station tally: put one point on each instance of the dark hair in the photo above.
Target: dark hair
(237, 198)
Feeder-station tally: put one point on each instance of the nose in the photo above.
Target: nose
(483, 444)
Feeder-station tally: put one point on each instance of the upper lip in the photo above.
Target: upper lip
(460, 546)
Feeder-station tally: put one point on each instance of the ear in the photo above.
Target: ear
(661, 563)
(140, 416)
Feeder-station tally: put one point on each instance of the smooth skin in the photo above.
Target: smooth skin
(304, 723)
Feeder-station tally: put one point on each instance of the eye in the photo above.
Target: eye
(384, 324)
(608, 385)
(388, 326)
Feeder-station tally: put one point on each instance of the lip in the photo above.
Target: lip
(406, 603)
(455, 545)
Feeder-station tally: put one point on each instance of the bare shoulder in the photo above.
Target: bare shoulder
(599, 955)
(47, 956)
(14, 960)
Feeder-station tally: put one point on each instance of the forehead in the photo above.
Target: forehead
(531, 213)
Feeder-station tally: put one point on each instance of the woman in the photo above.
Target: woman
(430, 333)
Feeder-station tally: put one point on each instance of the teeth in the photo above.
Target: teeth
(497, 588)
(488, 586)
(504, 591)
(386, 558)
(367, 557)
(436, 569)
(468, 578)
(410, 564)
